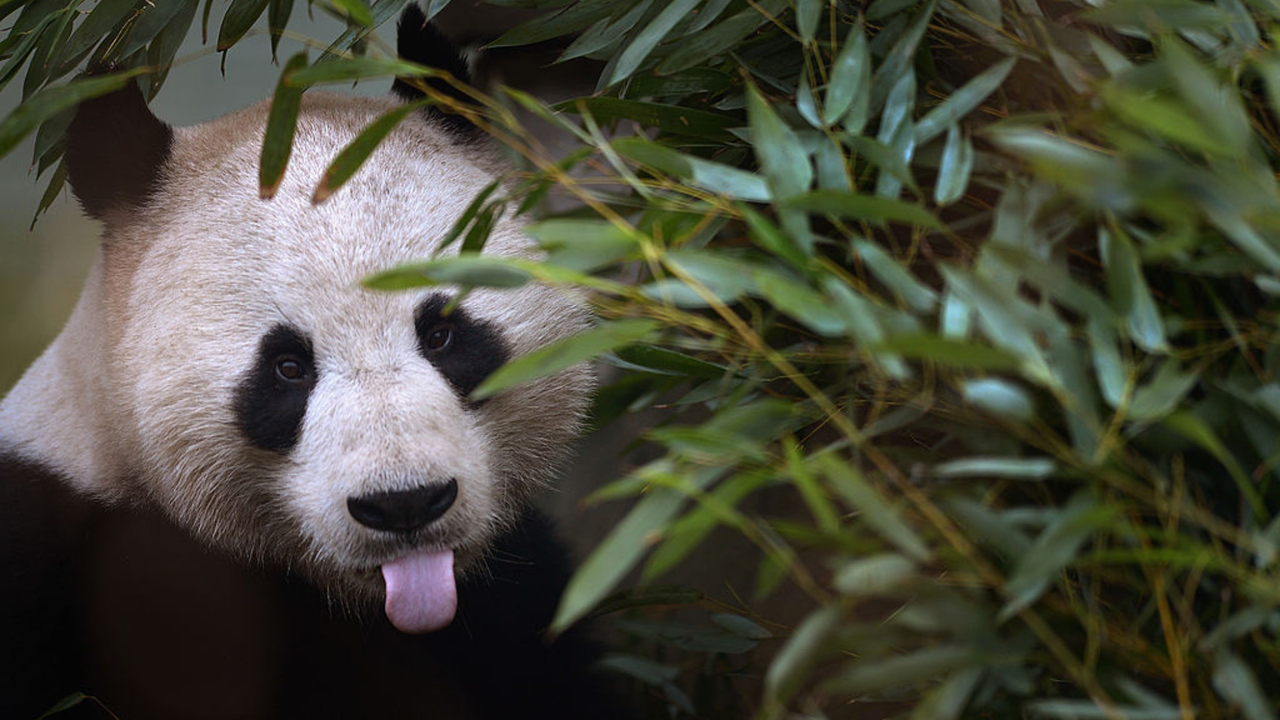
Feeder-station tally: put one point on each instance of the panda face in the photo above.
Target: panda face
(265, 399)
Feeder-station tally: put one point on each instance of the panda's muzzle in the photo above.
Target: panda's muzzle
(403, 511)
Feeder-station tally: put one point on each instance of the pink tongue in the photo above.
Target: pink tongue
(421, 595)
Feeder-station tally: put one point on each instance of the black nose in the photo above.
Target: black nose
(403, 510)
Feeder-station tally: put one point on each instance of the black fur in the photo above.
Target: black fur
(121, 604)
(474, 351)
(421, 42)
(116, 151)
(270, 407)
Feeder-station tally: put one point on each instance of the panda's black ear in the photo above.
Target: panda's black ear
(115, 150)
(422, 42)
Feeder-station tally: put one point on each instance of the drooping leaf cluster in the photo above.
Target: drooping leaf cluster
(981, 297)
(963, 315)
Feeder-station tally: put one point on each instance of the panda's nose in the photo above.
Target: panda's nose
(403, 511)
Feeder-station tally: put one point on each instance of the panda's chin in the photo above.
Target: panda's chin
(421, 592)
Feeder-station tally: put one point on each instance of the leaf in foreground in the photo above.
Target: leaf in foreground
(565, 353)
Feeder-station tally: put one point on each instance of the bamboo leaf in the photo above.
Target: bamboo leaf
(240, 16)
(52, 100)
(1039, 567)
(672, 119)
(954, 170)
(863, 207)
(1130, 296)
(564, 354)
(781, 155)
(282, 119)
(875, 512)
(963, 101)
(643, 44)
(802, 651)
(358, 150)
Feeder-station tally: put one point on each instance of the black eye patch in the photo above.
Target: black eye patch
(271, 399)
(463, 350)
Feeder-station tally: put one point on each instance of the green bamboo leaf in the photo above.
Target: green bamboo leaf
(882, 517)
(1110, 367)
(862, 207)
(948, 352)
(1057, 547)
(356, 10)
(104, 17)
(1000, 397)
(701, 46)
(576, 17)
(673, 119)
(478, 233)
(1216, 104)
(1164, 117)
(1196, 429)
(806, 105)
(240, 16)
(165, 45)
(643, 44)
(52, 100)
(814, 496)
(465, 270)
(1164, 393)
(1262, 248)
(277, 140)
(614, 556)
(1236, 683)
(954, 170)
(56, 183)
(358, 150)
(345, 70)
(768, 236)
(583, 244)
(888, 270)
(882, 673)
(963, 101)
(686, 534)
(799, 301)
(901, 56)
(705, 174)
(1004, 318)
(1159, 15)
(64, 704)
(26, 43)
(948, 700)
(278, 12)
(382, 11)
(468, 215)
(996, 467)
(605, 33)
(661, 360)
(566, 353)
(782, 157)
(809, 644)
(1130, 296)
(873, 574)
(808, 13)
(153, 18)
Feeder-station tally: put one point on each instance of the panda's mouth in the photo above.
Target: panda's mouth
(422, 593)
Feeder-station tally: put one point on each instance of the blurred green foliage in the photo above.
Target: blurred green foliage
(981, 296)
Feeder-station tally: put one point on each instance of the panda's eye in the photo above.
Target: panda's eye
(291, 368)
(439, 338)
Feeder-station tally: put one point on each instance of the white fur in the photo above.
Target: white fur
(135, 397)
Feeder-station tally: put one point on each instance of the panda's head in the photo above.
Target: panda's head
(234, 371)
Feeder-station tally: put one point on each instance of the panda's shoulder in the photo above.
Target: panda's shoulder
(38, 618)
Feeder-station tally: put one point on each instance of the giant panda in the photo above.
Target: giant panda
(241, 485)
